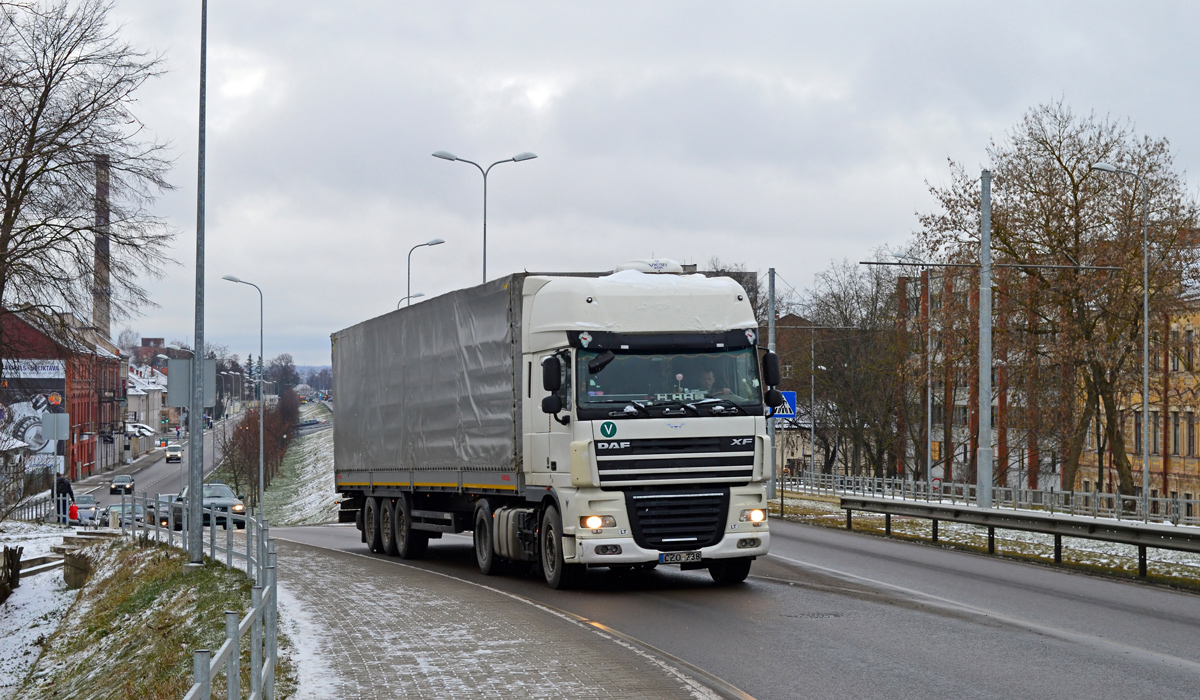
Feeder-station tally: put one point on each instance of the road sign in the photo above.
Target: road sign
(788, 409)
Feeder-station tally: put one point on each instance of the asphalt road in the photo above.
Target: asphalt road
(153, 476)
(831, 614)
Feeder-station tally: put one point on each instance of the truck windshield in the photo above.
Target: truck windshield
(654, 378)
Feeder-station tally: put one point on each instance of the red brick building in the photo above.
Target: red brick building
(69, 374)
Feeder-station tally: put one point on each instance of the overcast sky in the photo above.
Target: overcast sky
(781, 134)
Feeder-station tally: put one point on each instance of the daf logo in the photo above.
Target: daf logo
(675, 426)
(612, 445)
(741, 441)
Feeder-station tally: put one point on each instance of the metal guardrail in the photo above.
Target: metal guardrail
(261, 621)
(1175, 511)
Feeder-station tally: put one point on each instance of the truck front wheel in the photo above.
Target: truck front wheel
(559, 574)
(371, 524)
(727, 572)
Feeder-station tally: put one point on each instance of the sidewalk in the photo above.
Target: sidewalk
(375, 628)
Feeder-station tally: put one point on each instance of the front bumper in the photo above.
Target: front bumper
(631, 553)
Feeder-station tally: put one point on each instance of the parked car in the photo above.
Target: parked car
(175, 453)
(121, 483)
(124, 514)
(87, 508)
(139, 429)
(215, 495)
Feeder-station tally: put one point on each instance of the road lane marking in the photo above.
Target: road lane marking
(1020, 623)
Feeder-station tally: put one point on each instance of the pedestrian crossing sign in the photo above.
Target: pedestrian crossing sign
(788, 409)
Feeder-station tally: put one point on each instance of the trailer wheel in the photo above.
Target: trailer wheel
(387, 529)
(558, 574)
(410, 543)
(484, 538)
(371, 524)
(727, 572)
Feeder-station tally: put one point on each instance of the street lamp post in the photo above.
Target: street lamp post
(407, 298)
(262, 512)
(444, 155)
(928, 369)
(1138, 180)
(408, 276)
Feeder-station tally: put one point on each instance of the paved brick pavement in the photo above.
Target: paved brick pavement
(384, 630)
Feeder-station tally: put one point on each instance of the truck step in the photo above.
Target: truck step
(437, 521)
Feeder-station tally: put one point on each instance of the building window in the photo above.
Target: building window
(1175, 433)
(1191, 434)
(1137, 432)
(1189, 351)
(1154, 432)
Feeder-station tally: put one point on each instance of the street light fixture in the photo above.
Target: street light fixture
(261, 403)
(445, 155)
(408, 276)
(409, 297)
(1108, 168)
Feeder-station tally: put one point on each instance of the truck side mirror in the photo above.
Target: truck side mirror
(773, 398)
(551, 404)
(770, 367)
(551, 374)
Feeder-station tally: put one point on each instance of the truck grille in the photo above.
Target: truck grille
(677, 521)
(722, 460)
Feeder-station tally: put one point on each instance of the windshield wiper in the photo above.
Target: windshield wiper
(687, 406)
(632, 406)
(720, 403)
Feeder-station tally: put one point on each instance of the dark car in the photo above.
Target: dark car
(160, 508)
(121, 483)
(216, 496)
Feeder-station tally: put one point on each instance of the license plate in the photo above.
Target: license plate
(678, 557)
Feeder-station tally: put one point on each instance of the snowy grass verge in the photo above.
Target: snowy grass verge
(303, 493)
(1164, 565)
(133, 627)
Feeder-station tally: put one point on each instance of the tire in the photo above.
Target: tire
(484, 537)
(728, 572)
(387, 526)
(410, 543)
(371, 524)
(558, 574)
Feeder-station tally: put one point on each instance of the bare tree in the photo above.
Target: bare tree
(1074, 341)
(67, 86)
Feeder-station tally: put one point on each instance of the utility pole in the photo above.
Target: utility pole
(771, 348)
(983, 452)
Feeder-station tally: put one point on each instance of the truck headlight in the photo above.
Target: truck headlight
(595, 522)
(238, 507)
(752, 515)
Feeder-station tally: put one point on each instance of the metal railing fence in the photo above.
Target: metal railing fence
(1174, 511)
(257, 558)
(34, 508)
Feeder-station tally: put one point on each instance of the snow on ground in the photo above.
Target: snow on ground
(35, 608)
(304, 494)
(1075, 549)
(316, 678)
